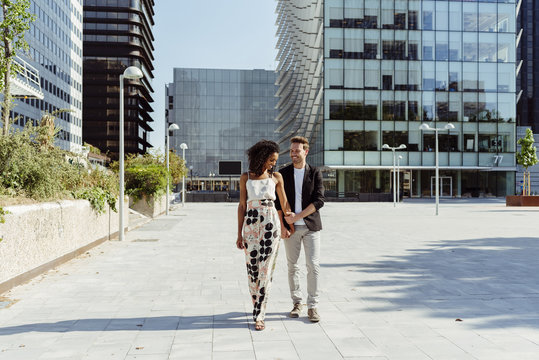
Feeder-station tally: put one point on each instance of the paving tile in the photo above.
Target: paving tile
(388, 292)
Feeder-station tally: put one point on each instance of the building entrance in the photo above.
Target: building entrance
(446, 186)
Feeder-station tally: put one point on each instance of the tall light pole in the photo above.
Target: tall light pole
(400, 147)
(426, 127)
(171, 127)
(131, 73)
(183, 146)
(398, 177)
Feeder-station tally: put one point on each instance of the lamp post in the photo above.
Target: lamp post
(426, 127)
(398, 178)
(183, 146)
(191, 172)
(211, 175)
(131, 73)
(400, 147)
(171, 127)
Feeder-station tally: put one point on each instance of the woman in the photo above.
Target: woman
(259, 225)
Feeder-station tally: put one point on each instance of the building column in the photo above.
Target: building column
(340, 181)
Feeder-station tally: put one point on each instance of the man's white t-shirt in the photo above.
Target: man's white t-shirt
(298, 185)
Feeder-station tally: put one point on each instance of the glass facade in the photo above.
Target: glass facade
(221, 113)
(55, 40)
(118, 34)
(391, 65)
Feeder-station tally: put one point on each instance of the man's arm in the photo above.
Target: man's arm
(317, 200)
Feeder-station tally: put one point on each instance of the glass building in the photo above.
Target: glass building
(118, 34)
(55, 60)
(221, 113)
(527, 87)
(391, 65)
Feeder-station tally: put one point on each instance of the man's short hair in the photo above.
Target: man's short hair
(300, 140)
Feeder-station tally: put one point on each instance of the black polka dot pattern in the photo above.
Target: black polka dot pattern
(262, 231)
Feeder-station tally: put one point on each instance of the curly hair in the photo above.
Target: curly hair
(259, 153)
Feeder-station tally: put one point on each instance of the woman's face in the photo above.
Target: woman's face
(271, 161)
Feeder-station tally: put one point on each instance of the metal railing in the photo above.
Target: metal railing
(27, 82)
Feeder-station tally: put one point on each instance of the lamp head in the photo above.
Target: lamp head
(173, 127)
(402, 146)
(133, 73)
(400, 157)
(183, 146)
(386, 146)
(424, 127)
(449, 126)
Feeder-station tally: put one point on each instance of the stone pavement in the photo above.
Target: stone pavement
(397, 283)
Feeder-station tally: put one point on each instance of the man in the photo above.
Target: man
(305, 193)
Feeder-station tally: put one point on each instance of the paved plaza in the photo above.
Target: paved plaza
(397, 283)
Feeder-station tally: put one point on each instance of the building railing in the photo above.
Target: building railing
(27, 83)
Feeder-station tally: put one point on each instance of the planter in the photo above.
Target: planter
(39, 237)
(522, 200)
(149, 206)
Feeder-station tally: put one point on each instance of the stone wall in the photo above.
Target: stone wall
(41, 236)
(151, 207)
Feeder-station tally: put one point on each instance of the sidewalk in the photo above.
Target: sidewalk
(397, 283)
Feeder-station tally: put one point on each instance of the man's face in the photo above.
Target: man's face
(297, 153)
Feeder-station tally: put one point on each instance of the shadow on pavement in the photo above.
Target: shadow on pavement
(494, 281)
(159, 323)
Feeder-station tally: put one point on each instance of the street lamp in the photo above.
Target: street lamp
(183, 146)
(400, 147)
(131, 73)
(398, 178)
(426, 127)
(171, 127)
(211, 175)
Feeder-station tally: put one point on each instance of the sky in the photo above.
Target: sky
(217, 34)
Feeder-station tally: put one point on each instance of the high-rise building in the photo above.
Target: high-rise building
(117, 34)
(527, 86)
(390, 65)
(53, 68)
(221, 113)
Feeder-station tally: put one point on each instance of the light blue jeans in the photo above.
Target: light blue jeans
(311, 244)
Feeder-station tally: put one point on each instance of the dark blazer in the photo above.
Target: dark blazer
(312, 192)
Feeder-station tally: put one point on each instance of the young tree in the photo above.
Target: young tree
(15, 22)
(527, 157)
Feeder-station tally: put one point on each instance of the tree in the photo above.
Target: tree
(15, 22)
(527, 157)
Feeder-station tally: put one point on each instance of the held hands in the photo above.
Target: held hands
(291, 218)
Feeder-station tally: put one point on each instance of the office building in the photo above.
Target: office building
(390, 65)
(221, 113)
(52, 75)
(118, 34)
(527, 86)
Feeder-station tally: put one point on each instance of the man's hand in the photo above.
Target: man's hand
(290, 217)
(285, 233)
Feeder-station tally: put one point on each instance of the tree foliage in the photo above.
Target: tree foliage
(15, 23)
(528, 153)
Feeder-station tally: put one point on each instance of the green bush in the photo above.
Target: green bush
(31, 170)
(145, 179)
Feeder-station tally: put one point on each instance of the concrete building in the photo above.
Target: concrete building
(358, 74)
(52, 79)
(221, 113)
(118, 34)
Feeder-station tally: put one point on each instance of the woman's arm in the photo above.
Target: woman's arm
(285, 206)
(242, 207)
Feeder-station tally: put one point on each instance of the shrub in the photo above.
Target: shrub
(145, 179)
(31, 170)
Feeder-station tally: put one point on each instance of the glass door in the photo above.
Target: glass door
(446, 186)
